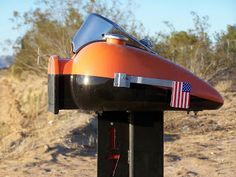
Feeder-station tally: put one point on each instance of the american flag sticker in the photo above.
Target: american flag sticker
(180, 97)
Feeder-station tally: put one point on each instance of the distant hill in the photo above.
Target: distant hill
(6, 61)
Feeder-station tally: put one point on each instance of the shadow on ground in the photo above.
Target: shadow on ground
(79, 142)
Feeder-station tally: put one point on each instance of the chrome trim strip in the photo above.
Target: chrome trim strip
(124, 80)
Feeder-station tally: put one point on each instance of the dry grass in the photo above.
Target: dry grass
(224, 86)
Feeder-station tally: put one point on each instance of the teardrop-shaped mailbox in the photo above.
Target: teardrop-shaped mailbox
(112, 72)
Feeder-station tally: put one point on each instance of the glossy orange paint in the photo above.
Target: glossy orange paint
(59, 65)
(53, 65)
(103, 59)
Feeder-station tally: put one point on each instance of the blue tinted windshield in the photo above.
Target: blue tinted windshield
(95, 27)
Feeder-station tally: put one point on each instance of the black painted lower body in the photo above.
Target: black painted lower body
(99, 94)
(147, 143)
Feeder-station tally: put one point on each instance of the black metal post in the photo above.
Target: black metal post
(106, 165)
(138, 145)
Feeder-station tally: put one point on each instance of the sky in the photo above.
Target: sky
(152, 13)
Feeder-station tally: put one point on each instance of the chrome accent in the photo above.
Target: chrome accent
(115, 36)
(121, 80)
(124, 80)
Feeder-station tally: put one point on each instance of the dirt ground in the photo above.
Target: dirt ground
(37, 143)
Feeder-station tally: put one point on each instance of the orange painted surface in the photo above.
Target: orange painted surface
(103, 59)
(53, 65)
(59, 66)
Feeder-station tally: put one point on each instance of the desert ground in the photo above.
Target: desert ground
(34, 142)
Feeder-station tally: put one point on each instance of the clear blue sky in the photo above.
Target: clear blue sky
(151, 13)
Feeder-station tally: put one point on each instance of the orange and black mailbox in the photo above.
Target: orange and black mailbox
(129, 86)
